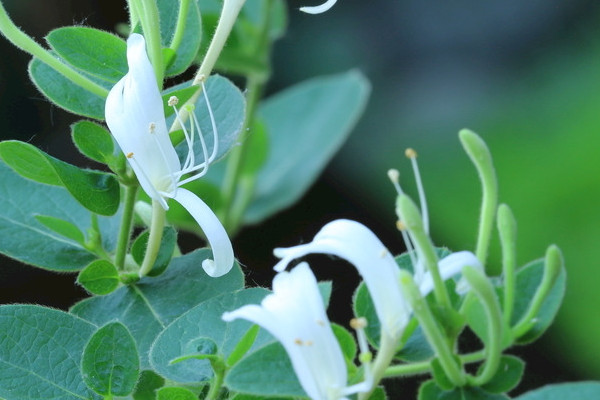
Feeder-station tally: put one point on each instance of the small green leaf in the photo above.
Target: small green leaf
(27, 240)
(93, 141)
(149, 305)
(96, 52)
(528, 280)
(266, 372)
(95, 190)
(165, 251)
(244, 344)
(100, 277)
(62, 227)
(147, 386)
(175, 393)
(562, 391)
(186, 337)
(110, 362)
(346, 341)
(64, 93)
(430, 391)
(508, 375)
(40, 353)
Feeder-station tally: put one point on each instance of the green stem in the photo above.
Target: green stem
(154, 240)
(507, 228)
(385, 355)
(409, 214)
(484, 290)
(184, 6)
(480, 156)
(217, 381)
(435, 337)
(126, 225)
(235, 160)
(553, 265)
(27, 44)
(424, 367)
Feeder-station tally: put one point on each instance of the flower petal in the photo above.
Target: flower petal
(296, 316)
(214, 231)
(134, 114)
(357, 244)
(319, 9)
(449, 266)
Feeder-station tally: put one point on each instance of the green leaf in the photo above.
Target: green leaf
(93, 141)
(110, 362)
(176, 393)
(152, 303)
(165, 251)
(528, 280)
(266, 372)
(97, 191)
(40, 352)
(100, 277)
(346, 341)
(306, 125)
(244, 345)
(147, 386)
(192, 34)
(24, 238)
(508, 375)
(228, 106)
(96, 52)
(561, 391)
(185, 336)
(430, 391)
(62, 227)
(64, 93)
(257, 150)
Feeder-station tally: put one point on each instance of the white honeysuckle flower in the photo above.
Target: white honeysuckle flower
(356, 243)
(136, 119)
(295, 315)
(318, 9)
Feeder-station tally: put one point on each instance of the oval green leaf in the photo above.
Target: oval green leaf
(93, 141)
(100, 277)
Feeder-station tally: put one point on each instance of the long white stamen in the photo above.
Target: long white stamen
(394, 176)
(409, 246)
(158, 194)
(189, 139)
(412, 155)
(214, 125)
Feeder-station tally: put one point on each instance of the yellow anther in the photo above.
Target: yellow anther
(383, 253)
(173, 101)
(152, 127)
(400, 225)
(358, 323)
(320, 323)
(298, 342)
(129, 155)
(309, 343)
(410, 153)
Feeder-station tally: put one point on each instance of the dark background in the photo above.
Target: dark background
(509, 69)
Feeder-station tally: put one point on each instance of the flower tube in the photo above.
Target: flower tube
(135, 117)
(296, 316)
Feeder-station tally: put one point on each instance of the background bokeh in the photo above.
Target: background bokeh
(524, 75)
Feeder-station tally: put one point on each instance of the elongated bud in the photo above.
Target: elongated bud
(481, 157)
(507, 228)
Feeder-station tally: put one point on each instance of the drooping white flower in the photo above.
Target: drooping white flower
(296, 316)
(355, 243)
(135, 117)
(320, 8)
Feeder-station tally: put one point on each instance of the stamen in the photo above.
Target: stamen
(213, 125)
(189, 139)
(409, 246)
(365, 357)
(298, 342)
(129, 155)
(394, 176)
(173, 101)
(412, 155)
(157, 195)
(152, 127)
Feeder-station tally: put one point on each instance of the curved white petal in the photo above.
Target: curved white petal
(296, 316)
(357, 244)
(134, 114)
(449, 266)
(214, 231)
(319, 9)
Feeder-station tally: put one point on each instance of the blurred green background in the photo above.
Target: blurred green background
(524, 75)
